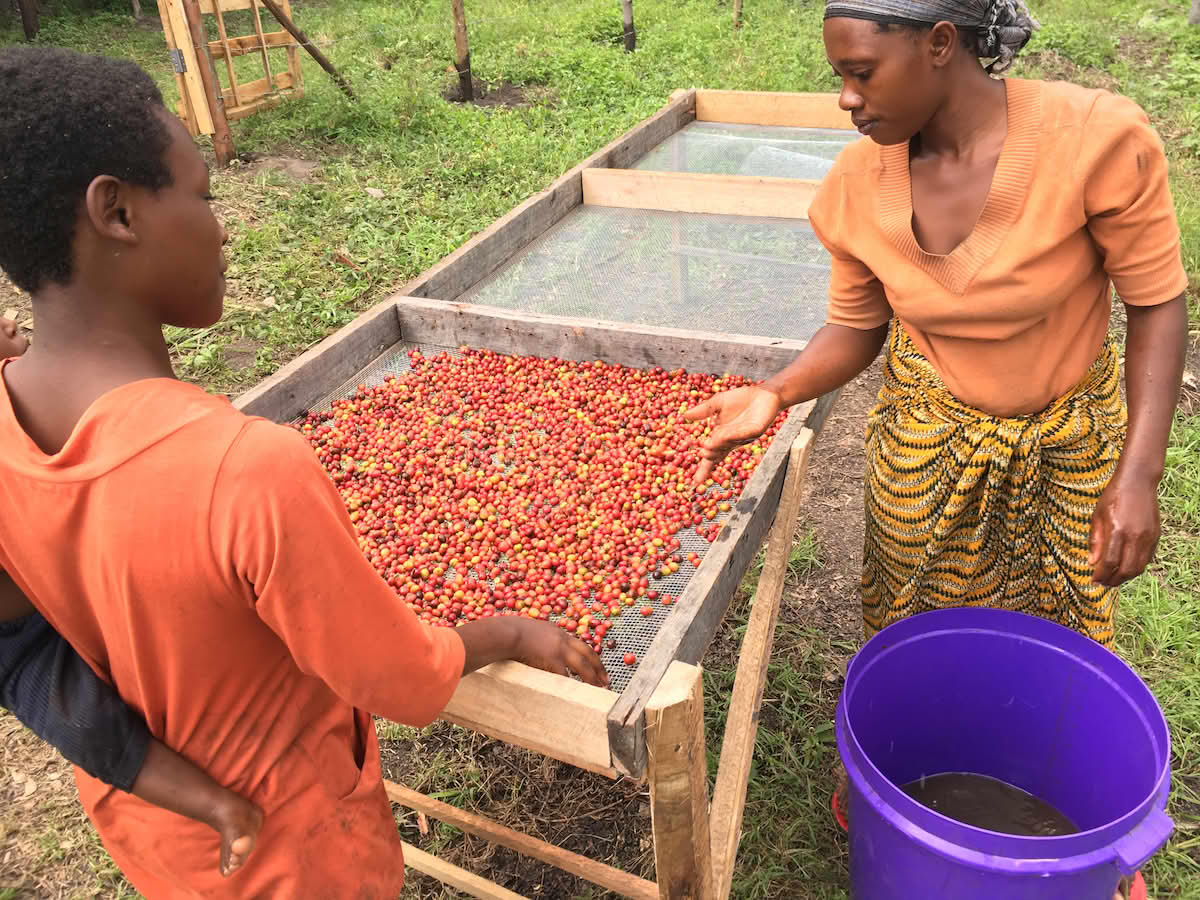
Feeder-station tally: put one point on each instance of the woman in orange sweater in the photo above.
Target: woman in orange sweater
(979, 234)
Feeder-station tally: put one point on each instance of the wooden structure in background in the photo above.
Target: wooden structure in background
(654, 729)
(209, 109)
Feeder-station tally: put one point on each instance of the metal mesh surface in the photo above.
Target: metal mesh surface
(775, 151)
(632, 631)
(733, 274)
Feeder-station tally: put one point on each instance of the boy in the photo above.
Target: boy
(49, 688)
(214, 575)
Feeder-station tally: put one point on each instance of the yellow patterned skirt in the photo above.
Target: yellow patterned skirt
(969, 509)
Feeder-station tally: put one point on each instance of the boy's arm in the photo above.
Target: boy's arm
(57, 696)
(283, 524)
(55, 693)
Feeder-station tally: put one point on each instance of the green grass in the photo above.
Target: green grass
(446, 171)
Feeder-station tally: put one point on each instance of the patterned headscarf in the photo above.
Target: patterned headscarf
(1002, 27)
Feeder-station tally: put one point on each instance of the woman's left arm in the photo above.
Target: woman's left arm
(1125, 524)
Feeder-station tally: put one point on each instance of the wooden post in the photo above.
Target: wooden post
(1194, 16)
(462, 51)
(222, 139)
(224, 35)
(678, 774)
(741, 723)
(737, 13)
(630, 32)
(29, 18)
(286, 21)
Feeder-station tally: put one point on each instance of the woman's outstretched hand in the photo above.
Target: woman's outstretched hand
(742, 414)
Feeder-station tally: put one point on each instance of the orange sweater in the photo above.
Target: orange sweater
(204, 563)
(1013, 317)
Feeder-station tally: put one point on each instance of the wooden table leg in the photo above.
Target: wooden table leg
(741, 723)
(679, 786)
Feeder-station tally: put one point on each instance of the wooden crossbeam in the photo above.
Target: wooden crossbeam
(446, 873)
(248, 43)
(249, 91)
(693, 192)
(614, 879)
(771, 108)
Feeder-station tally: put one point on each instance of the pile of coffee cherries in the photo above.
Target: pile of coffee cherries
(488, 485)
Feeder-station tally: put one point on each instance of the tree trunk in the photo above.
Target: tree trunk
(462, 51)
(1194, 18)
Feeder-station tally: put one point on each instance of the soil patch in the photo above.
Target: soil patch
(241, 354)
(299, 169)
(502, 93)
(1054, 66)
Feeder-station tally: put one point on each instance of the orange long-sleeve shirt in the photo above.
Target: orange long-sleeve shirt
(202, 562)
(1013, 317)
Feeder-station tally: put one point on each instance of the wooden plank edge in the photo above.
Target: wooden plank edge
(453, 323)
(741, 722)
(490, 729)
(786, 108)
(291, 391)
(697, 192)
(556, 716)
(624, 883)
(680, 638)
(447, 873)
(457, 273)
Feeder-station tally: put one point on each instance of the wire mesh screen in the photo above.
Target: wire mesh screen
(631, 631)
(775, 151)
(733, 274)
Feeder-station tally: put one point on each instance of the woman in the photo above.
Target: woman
(979, 233)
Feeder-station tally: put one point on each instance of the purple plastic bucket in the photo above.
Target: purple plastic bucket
(1013, 697)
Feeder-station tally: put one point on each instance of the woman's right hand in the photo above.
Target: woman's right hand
(743, 414)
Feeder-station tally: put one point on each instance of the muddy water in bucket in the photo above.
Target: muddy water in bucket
(983, 802)
(1018, 699)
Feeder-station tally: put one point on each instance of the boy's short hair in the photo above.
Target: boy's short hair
(66, 118)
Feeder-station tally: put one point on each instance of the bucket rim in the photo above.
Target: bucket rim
(951, 838)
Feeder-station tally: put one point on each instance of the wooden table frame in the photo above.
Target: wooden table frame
(654, 730)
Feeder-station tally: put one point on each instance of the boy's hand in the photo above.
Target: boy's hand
(548, 647)
(12, 342)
